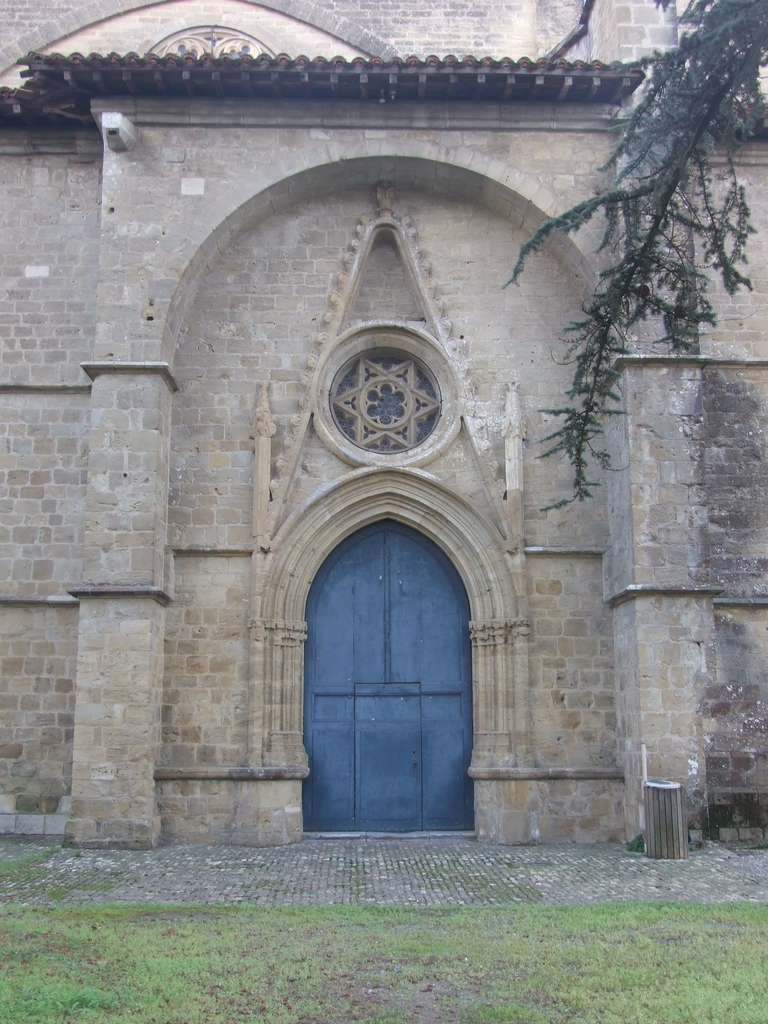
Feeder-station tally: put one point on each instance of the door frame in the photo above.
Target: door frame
(493, 577)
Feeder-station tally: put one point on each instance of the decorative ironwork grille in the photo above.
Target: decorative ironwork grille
(385, 402)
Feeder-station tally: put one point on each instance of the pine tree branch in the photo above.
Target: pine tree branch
(667, 216)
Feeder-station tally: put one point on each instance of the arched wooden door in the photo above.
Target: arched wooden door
(388, 703)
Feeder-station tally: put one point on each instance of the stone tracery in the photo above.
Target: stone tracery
(212, 39)
(385, 403)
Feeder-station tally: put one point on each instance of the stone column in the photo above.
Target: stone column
(120, 643)
(270, 810)
(123, 594)
(500, 691)
(657, 577)
(280, 652)
(505, 807)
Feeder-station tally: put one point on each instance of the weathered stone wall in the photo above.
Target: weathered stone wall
(205, 687)
(42, 490)
(735, 411)
(140, 30)
(735, 706)
(49, 250)
(628, 30)
(735, 716)
(742, 327)
(240, 813)
(571, 663)
(48, 260)
(38, 650)
(555, 19)
(658, 577)
(555, 811)
(43, 440)
(211, 193)
(117, 722)
(581, 811)
(127, 482)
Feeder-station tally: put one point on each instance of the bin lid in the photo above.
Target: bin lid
(663, 784)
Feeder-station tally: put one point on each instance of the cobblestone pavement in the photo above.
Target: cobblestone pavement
(438, 870)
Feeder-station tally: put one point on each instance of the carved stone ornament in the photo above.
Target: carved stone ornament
(279, 632)
(498, 631)
(340, 342)
(213, 39)
(385, 197)
(263, 421)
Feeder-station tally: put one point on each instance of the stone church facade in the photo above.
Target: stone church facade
(269, 411)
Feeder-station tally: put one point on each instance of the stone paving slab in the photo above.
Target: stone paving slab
(444, 871)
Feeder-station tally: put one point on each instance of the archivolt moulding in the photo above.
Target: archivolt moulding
(499, 669)
(491, 183)
(409, 496)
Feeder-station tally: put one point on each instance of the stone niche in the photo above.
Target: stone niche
(268, 476)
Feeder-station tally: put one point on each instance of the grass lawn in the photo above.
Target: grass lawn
(638, 963)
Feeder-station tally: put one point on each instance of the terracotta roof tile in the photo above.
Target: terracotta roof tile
(59, 88)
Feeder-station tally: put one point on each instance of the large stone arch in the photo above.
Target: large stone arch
(497, 602)
(42, 33)
(420, 163)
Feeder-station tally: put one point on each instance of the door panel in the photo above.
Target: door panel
(446, 751)
(388, 715)
(362, 577)
(388, 762)
(428, 613)
(333, 757)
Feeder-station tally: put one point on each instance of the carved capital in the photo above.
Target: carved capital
(497, 632)
(521, 629)
(279, 632)
(489, 634)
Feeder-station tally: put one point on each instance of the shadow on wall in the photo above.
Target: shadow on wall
(735, 708)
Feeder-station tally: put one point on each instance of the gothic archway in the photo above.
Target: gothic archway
(498, 627)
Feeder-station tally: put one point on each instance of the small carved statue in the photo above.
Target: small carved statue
(385, 197)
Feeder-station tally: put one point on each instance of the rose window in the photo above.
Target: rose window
(385, 402)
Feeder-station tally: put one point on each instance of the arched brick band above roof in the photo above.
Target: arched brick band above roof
(421, 164)
(46, 32)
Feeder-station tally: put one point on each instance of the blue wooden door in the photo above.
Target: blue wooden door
(388, 703)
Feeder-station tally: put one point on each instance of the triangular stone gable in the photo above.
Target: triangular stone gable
(385, 288)
(386, 278)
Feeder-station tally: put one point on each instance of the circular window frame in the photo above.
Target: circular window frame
(414, 402)
(385, 339)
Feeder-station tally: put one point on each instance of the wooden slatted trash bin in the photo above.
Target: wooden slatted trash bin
(666, 828)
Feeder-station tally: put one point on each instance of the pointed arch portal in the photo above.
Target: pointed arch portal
(388, 703)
